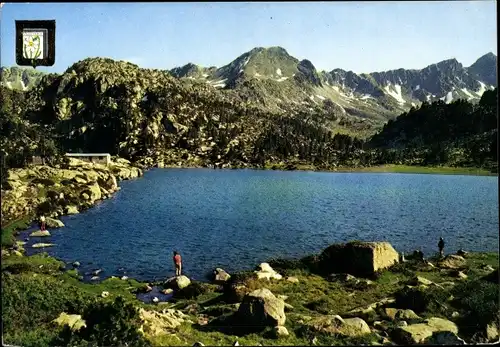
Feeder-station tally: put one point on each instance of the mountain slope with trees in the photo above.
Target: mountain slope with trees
(152, 118)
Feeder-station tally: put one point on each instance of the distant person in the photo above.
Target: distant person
(402, 257)
(441, 247)
(42, 223)
(177, 263)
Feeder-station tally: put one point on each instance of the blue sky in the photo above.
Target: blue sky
(357, 36)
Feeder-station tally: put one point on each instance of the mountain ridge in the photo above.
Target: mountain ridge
(376, 95)
(279, 82)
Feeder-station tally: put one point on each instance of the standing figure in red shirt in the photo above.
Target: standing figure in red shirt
(177, 263)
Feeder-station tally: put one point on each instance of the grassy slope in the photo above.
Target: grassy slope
(392, 168)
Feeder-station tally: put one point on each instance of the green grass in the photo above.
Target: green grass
(439, 170)
(8, 232)
(37, 290)
(388, 168)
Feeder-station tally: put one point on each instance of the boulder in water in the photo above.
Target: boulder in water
(53, 223)
(177, 282)
(42, 245)
(40, 233)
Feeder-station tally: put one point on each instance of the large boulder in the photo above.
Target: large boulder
(40, 233)
(220, 276)
(418, 333)
(235, 292)
(336, 325)
(177, 282)
(357, 258)
(452, 261)
(71, 209)
(492, 332)
(265, 271)
(261, 309)
(444, 338)
(93, 192)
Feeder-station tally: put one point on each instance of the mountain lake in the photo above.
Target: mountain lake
(236, 219)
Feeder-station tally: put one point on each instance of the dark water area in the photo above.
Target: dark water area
(236, 219)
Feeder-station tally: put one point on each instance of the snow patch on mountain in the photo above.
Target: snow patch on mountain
(367, 96)
(482, 89)
(447, 98)
(466, 92)
(396, 94)
(417, 87)
(320, 97)
(281, 79)
(278, 72)
(219, 84)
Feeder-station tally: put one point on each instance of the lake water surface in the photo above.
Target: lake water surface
(236, 219)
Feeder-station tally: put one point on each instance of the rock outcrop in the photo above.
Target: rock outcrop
(265, 271)
(358, 258)
(418, 333)
(453, 262)
(220, 275)
(336, 325)
(156, 323)
(53, 192)
(53, 223)
(261, 308)
(177, 282)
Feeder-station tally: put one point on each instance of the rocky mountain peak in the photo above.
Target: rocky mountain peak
(485, 69)
(308, 73)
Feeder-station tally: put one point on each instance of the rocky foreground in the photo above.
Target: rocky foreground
(355, 293)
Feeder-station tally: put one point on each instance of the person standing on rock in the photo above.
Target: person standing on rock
(441, 247)
(177, 263)
(42, 223)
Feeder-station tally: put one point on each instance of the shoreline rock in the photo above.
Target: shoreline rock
(53, 191)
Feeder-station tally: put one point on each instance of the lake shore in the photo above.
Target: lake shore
(208, 313)
(387, 168)
(213, 313)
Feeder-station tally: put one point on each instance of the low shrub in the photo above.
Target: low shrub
(31, 300)
(114, 323)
